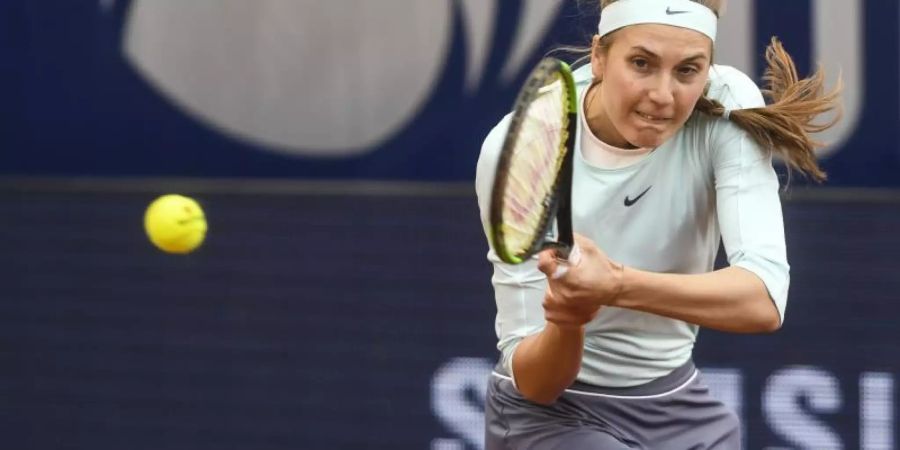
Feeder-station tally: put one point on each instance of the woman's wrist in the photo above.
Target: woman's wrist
(619, 279)
(567, 328)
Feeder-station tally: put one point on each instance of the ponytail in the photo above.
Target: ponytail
(785, 125)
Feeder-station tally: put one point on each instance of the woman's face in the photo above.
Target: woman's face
(652, 76)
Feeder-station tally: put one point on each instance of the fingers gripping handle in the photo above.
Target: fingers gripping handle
(563, 264)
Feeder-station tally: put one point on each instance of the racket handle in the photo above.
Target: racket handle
(563, 264)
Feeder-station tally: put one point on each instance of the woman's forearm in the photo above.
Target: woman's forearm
(546, 363)
(731, 299)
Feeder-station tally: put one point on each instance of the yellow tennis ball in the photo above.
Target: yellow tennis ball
(175, 223)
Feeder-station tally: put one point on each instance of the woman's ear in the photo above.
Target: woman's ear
(598, 59)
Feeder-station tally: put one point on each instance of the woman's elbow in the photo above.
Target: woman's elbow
(771, 323)
(767, 319)
(759, 316)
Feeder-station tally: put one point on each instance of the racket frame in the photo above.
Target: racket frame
(558, 203)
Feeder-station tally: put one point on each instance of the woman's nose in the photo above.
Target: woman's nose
(661, 92)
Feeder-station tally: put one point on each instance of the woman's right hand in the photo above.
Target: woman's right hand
(575, 296)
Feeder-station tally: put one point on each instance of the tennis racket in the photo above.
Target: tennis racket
(533, 182)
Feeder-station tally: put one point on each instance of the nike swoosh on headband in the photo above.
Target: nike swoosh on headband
(672, 13)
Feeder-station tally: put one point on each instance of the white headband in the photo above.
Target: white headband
(679, 13)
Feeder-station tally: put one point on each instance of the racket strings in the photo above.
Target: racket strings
(538, 155)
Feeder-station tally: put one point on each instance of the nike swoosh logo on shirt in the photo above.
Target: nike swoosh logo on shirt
(629, 202)
(671, 13)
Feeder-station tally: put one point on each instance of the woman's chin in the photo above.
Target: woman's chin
(649, 138)
(646, 141)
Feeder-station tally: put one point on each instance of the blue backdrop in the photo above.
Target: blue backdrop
(344, 317)
(366, 322)
(105, 87)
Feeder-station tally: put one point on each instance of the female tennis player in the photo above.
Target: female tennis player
(673, 154)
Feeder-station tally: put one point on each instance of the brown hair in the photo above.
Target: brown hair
(785, 125)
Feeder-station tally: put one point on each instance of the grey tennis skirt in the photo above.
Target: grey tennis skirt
(675, 412)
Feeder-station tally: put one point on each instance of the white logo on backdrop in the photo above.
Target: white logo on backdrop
(310, 77)
(334, 79)
(792, 403)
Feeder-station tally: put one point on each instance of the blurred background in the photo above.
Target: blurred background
(342, 299)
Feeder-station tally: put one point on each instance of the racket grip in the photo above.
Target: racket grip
(563, 264)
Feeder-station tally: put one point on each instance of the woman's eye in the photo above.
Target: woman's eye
(687, 70)
(639, 63)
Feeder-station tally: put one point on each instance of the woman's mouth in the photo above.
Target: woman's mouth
(651, 118)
